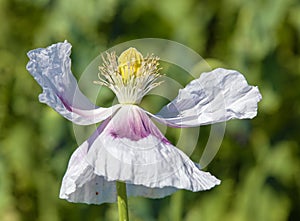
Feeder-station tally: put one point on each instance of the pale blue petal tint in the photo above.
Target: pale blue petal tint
(51, 68)
(217, 96)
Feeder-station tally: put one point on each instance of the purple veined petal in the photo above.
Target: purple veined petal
(130, 148)
(216, 96)
(51, 68)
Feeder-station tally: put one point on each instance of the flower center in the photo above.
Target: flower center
(130, 76)
(130, 62)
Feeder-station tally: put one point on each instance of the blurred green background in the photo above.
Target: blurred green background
(259, 160)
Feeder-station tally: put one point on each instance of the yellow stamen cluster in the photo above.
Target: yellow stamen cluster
(130, 76)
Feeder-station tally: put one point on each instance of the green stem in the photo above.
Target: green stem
(122, 201)
(176, 206)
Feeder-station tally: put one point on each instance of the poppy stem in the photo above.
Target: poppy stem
(176, 206)
(122, 201)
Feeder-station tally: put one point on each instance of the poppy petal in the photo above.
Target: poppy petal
(216, 96)
(51, 68)
(130, 148)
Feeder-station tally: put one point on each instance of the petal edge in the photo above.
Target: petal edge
(51, 68)
(216, 96)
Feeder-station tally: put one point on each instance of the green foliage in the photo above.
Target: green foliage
(259, 161)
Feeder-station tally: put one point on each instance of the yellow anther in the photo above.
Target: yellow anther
(130, 62)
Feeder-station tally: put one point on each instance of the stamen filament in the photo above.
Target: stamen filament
(130, 76)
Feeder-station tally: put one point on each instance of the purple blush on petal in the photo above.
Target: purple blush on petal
(97, 133)
(134, 124)
(165, 141)
(65, 103)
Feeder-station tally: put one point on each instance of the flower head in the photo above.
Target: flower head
(127, 146)
(131, 76)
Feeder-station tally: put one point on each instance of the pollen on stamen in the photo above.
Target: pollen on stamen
(130, 76)
(130, 62)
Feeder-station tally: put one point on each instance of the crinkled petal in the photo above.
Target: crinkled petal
(130, 148)
(82, 184)
(51, 68)
(216, 96)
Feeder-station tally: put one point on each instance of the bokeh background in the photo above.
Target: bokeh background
(259, 160)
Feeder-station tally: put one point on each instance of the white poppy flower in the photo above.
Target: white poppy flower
(127, 146)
